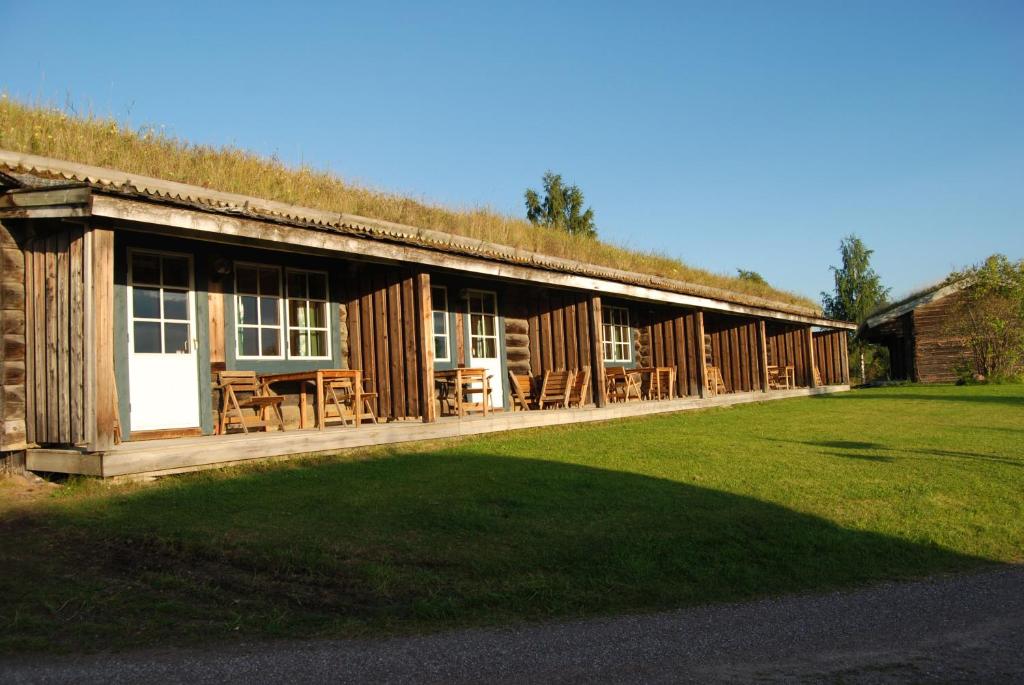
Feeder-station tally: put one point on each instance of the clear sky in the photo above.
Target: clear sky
(730, 134)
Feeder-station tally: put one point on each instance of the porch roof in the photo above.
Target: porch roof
(34, 172)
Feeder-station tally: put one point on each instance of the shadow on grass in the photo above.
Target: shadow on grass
(414, 542)
(857, 450)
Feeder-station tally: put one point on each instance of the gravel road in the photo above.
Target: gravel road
(966, 628)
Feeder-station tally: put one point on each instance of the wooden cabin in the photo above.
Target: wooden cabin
(126, 301)
(915, 330)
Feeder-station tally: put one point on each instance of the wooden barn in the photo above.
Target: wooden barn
(152, 327)
(915, 331)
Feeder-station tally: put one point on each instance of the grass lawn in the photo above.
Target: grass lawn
(624, 516)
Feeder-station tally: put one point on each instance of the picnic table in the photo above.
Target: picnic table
(460, 383)
(318, 378)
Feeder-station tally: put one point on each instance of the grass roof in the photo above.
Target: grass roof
(107, 142)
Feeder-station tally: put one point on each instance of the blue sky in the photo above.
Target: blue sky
(729, 134)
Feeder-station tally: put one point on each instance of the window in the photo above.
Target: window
(615, 334)
(439, 305)
(483, 335)
(307, 315)
(258, 309)
(161, 303)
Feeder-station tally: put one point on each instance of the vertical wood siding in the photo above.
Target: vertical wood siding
(787, 346)
(54, 328)
(735, 350)
(384, 336)
(670, 338)
(830, 356)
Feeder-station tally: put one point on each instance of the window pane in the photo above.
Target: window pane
(439, 323)
(147, 336)
(146, 303)
(176, 305)
(297, 343)
(297, 313)
(490, 348)
(271, 345)
(176, 272)
(175, 337)
(478, 348)
(488, 325)
(317, 286)
(269, 282)
(146, 269)
(247, 309)
(269, 311)
(609, 354)
(318, 343)
(296, 284)
(440, 348)
(318, 314)
(249, 342)
(245, 279)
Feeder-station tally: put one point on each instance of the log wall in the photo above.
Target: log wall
(735, 350)
(384, 336)
(13, 429)
(830, 355)
(936, 353)
(670, 338)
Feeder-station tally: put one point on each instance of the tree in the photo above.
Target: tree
(989, 317)
(858, 289)
(858, 292)
(561, 208)
(751, 276)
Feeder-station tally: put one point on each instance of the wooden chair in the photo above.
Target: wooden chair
(339, 395)
(523, 397)
(243, 390)
(623, 384)
(661, 383)
(554, 389)
(817, 377)
(369, 396)
(580, 387)
(777, 379)
(716, 384)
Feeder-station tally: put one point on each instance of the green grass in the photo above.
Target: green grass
(623, 516)
(151, 151)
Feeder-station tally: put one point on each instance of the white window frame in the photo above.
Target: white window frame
(623, 328)
(469, 318)
(288, 313)
(447, 332)
(282, 338)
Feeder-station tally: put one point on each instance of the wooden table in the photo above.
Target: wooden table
(788, 371)
(317, 379)
(626, 379)
(461, 381)
(655, 373)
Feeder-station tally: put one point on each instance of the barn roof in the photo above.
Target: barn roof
(34, 171)
(894, 310)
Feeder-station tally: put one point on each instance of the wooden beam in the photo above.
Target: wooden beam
(104, 405)
(762, 344)
(424, 305)
(597, 351)
(702, 356)
(225, 228)
(809, 336)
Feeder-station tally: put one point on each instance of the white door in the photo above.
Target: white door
(163, 370)
(484, 345)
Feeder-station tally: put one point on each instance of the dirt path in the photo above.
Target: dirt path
(950, 629)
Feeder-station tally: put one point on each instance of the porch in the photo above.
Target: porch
(178, 455)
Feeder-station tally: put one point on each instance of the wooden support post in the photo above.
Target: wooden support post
(424, 307)
(762, 346)
(811, 381)
(844, 356)
(597, 351)
(702, 354)
(101, 354)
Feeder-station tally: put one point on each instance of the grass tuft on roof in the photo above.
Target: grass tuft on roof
(105, 141)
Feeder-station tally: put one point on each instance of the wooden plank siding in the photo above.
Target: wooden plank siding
(936, 353)
(14, 348)
(735, 350)
(787, 345)
(670, 337)
(55, 293)
(829, 353)
(385, 333)
(551, 330)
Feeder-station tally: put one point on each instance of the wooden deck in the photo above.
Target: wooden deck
(177, 455)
